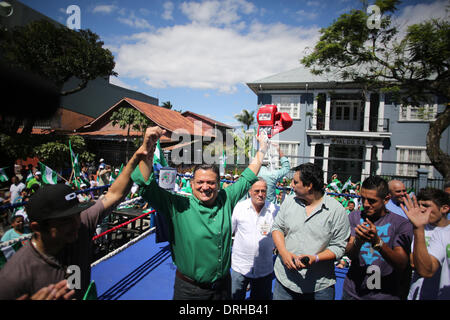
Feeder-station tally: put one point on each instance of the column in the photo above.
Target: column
(366, 166)
(367, 113)
(314, 116)
(327, 112)
(312, 152)
(326, 153)
(381, 113)
(380, 158)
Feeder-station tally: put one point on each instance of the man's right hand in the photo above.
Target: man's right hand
(146, 150)
(58, 291)
(289, 260)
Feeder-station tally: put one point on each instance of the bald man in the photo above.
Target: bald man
(397, 191)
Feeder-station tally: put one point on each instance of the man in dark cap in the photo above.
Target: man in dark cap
(62, 230)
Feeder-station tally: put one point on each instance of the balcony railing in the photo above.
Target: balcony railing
(373, 125)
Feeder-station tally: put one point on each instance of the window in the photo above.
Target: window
(289, 104)
(290, 150)
(412, 154)
(424, 113)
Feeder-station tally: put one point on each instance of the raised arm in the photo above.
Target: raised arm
(257, 161)
(152, 135)
(425, 264)
(123, 183)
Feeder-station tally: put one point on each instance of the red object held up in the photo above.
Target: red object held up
(271, 121)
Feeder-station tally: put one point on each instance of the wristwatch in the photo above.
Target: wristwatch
(378, 245)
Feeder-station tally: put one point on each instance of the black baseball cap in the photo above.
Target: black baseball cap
(54, 201)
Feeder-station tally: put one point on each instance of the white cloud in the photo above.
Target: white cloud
(304, 15)
(217, 12)
(135, 22)
(168, 10)
(105, 9)
(120, 83)
(413, 14)
(209, 57)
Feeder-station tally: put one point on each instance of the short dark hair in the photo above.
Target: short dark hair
(439, 197)
(213, 167)
(311, 174)
(376, 183)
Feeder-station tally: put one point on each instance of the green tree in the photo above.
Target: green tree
(413, 66)
(56, 53)
(130, 118)
(167, 105)
(246, 118)
(56, 155)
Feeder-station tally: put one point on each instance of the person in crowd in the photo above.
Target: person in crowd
(272, 177)
(104, 174)
(36, 180)
(62, 231)
(309, 225)
(380, 240)
(200, 225)
(350, 207)
(83, 196)
(252, 253)
(228, 181)
(17, 227)
(430, 257)
(397, 192)
(84, 174)
(15, 189)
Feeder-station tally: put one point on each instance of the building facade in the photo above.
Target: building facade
(348, 131)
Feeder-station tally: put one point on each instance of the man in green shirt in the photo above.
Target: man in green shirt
(199, 225)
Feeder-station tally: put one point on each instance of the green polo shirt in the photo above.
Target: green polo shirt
(200, 237)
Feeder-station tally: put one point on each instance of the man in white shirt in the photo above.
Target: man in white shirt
(428, 261)
(252, 253)
(16, 188)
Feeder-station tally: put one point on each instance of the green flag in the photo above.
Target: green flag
(29, 177)
(8, 249)
(348, 184)
(335, 185)
(91, 292)
(3, 176)
(49, 176)
(158, 156)
(74, 160)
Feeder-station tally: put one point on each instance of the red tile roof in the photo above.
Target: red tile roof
(165, 118)
(206, 119)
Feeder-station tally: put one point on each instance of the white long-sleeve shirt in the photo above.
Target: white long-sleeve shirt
(252, 253)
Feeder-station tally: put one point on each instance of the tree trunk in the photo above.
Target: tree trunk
(439, 159)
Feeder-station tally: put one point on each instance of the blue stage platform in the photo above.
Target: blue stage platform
(144, 271)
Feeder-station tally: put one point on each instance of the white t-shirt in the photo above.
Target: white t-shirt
(252, 253)
(16, 190)
(439, 247)
(425, 288)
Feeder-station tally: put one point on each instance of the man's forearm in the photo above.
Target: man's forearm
(256, 164)
(146, 167)
(278, 240)
(422, 259)
(121, 185)
(353, 248)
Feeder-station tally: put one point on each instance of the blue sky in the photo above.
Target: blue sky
(199, 54)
